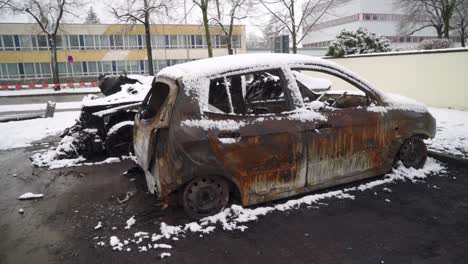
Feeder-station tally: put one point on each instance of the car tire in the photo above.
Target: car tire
(205, 196)
(119, 140)
(413, 153)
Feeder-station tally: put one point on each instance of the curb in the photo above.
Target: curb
(447, 157)
(47, 85)
(20, 117)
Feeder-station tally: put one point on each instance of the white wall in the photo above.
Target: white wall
(436, 79)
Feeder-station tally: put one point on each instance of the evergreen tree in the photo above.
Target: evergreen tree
(359, 42)
(92, 17)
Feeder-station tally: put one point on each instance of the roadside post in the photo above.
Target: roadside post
(50, 109)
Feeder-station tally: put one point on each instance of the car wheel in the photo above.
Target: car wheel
(413, 153)
(205, 196)
(119, 140)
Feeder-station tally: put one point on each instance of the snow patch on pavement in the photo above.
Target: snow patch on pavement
(30, 195)
(130, 222)
(18, 134)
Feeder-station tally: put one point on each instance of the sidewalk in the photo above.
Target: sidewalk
(451, 140)
(39, 92)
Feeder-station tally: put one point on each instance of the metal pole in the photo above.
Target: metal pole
(186, 36)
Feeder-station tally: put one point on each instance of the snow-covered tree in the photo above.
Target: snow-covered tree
(430, 44)
(91, 17)
(360, 41)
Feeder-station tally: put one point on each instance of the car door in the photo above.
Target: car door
(353, 141)
(259, 143)
(154, 114)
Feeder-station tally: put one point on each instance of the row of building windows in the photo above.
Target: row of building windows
(393, 39)
(13, 71)
(357, 17)
(108, 42)
(380, 17)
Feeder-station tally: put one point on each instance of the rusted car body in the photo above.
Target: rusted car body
(181, 136)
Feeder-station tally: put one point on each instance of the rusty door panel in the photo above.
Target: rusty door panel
(353, 142)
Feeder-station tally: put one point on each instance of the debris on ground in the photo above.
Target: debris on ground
(130, 222)
(21, 211)
(30, 195)
(126, 198)
(98, 226)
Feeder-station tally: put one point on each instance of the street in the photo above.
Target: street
(402, 222)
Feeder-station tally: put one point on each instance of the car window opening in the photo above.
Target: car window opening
(334, 91)
(154, 100)
(252, 93)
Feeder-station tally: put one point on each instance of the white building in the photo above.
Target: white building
(378, 16)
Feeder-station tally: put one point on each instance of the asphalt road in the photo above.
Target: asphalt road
(423, 222)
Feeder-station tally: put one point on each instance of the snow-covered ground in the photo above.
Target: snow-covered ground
(452, 132)
(19, 134)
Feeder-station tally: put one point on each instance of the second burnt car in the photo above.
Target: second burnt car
(253, 127)
(105, 124)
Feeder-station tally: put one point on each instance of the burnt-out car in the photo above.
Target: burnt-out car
(254, 127)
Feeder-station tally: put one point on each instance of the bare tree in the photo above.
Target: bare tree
(48, 14)
(203, 5)
(4, 4)
(421, 14)
(461, 21)
(140, 11)
(236, 11)
(272, 29)
(297, 18)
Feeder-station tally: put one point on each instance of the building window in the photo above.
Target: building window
(74, 42)
(118, 42)
(141, 44)
(89, 42)
(132, 42)
(104, 39)
(28, 69)
(8, 42)
(12, 70)
(26, 42)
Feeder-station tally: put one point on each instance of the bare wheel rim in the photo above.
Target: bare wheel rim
(413, 153)
(206, 195)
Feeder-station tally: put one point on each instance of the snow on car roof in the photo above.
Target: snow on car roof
(222, 64)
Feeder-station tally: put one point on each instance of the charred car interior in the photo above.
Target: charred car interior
(258, 132)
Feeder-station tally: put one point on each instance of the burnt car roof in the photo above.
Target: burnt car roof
(224, 64)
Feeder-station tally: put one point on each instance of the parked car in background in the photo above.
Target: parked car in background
(260, 127)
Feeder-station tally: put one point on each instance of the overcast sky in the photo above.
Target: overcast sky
(101, 8)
